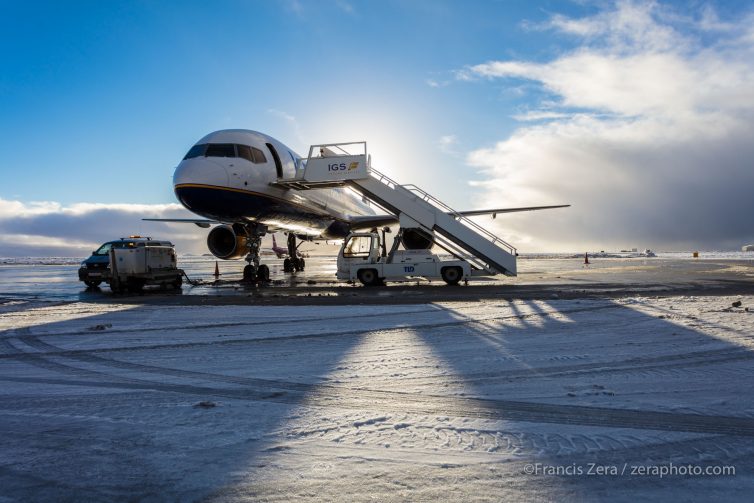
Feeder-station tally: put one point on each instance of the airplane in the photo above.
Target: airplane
(279, 251)
(284, 253)
(228, 178)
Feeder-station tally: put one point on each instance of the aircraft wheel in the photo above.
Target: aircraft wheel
(368, 277)
(249, 274)
(451, 275)
(177, 283)
(263, 273)
(301, 263)
(287, 265)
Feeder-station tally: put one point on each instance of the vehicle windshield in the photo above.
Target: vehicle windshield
(104, 249)
(358, 246)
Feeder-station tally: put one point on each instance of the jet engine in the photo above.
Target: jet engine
(225, 243)
(417, 239)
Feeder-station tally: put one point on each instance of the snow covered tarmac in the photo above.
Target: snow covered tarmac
(490, 399)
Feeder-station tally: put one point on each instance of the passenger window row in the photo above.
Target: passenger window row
(252, 154)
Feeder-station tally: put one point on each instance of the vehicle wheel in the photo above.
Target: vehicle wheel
(135, 285)
(92, 284)
(249, 274)
(263, 273)
(287, 265)
(451, 275)
(368, 277)
(177, 283)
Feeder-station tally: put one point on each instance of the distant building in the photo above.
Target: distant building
(747, 248)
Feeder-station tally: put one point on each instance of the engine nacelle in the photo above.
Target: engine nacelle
(224, 243)
(417, 239)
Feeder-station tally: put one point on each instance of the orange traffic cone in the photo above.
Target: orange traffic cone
(217, 270)
(586, 258)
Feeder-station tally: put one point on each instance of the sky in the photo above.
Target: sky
(638, 113)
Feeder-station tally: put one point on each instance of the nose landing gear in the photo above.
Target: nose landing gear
(254, 271)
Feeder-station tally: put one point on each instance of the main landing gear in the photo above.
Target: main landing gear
(254, 271)
(294, 262)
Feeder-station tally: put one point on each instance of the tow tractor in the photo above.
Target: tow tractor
(363, 257)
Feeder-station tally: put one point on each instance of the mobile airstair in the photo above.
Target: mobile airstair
(331, 165)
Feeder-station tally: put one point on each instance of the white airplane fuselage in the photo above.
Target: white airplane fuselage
(227, 177)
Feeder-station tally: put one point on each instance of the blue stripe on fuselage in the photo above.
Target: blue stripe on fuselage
(233, 205)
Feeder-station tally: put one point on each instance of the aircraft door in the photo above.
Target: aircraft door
(276, 157)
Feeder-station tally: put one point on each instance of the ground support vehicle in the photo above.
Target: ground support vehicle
(133, 267)
(362, 257)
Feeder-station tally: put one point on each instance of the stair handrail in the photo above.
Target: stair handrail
(425, 196)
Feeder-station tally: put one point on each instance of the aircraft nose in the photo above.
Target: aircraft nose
(200, 171)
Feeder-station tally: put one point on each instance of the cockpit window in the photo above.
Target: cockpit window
(251, 154)
(220, 150)
(244, 152)
(259, 157)
(196, 151)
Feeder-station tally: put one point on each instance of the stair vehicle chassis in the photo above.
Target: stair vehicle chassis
(360, 258)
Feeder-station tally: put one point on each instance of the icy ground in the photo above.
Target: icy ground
(443, 402)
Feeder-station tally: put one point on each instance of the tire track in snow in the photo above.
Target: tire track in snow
(40, 360)
(308, 335)
(209, 326)
(153, 369)
(323, 395)
(640, 365)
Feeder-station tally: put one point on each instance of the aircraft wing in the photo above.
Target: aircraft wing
(368, 222)
(201, 222)
(494, 212)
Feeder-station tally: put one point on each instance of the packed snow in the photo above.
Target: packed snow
(467, 401)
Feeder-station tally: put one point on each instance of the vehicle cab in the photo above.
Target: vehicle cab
(358, 248)
(96, 269)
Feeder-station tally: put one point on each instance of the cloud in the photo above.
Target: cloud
(49, 228)
(295, 6)
(289, 119)
(629, 26)
(345, 6)
(437, 84)
(448, 144)
(538, 115)
(646, 131)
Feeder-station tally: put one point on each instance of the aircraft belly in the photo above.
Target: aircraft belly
(233, 205)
